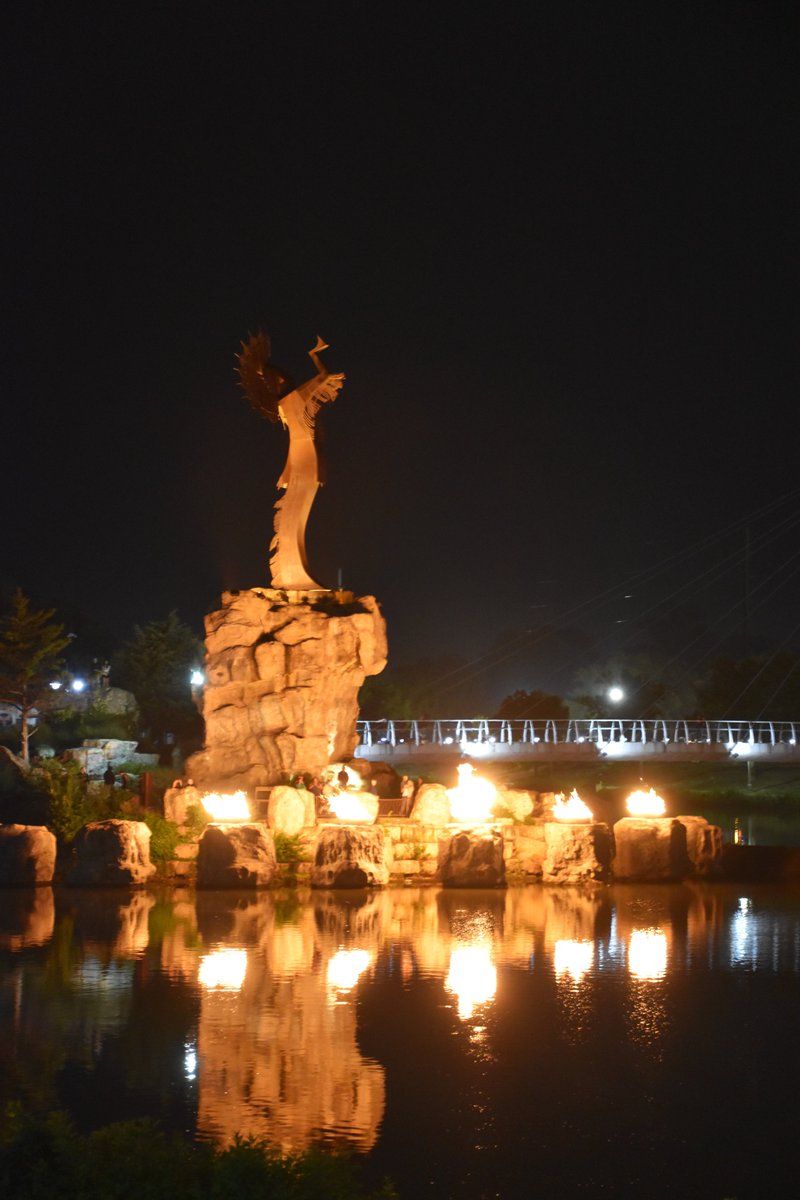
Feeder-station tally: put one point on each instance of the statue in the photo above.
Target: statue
(273, 395)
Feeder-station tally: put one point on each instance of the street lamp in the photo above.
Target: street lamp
(615, 694)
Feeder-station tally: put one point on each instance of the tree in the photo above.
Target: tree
(30, 648)
(155, 665)
(533, 706)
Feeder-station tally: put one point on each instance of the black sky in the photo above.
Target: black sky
(554, 248)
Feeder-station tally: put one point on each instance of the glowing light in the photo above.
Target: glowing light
(196, 678)
(616, 694)
(223, 970)
(226, 808)
(473, 798)
(345, 969)
(645, 804)
(472, 978)
(573, 959)
(78, 685)
(55, 684)
(647, 953)
(573, 809)
(348, 806)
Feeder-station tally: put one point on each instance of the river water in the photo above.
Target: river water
(638, 1041)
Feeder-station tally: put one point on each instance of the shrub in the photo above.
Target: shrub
(289, 848)
(164, 835)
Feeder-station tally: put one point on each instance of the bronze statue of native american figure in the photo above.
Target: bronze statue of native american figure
(275, 397)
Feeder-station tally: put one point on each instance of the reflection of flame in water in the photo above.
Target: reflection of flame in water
(345, 968)
(231, 807)
(472, 976)
(573, 959)
(645, 804)
(472, 798)
(223, 970)
(573, 809)
(647, 953)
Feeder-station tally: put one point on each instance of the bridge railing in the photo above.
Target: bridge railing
(460, 731)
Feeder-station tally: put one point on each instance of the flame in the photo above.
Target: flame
(223, 970)
(473, 798)
(231, 807)
(645, 804)
(472, 976)
(571, 810)
(347, 806)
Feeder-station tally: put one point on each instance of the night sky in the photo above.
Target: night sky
(553, 246)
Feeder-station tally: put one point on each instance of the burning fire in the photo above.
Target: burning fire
(645, 804)
(571, 810)
(345, 802)
(473, 798)
(231, 807)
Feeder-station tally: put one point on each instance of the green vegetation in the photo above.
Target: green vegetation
(133, 1160)
(289, 848)
(30, 648)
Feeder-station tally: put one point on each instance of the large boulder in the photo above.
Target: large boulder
(432, 805)
(236, 856)
(27, 855)
(650, 849)
(518, 804)
(703, 845)
(348, 856)
(576, 851)
(111, 853)
(290, 809)
(282, 682)
(472, 858)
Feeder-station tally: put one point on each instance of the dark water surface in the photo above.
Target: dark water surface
(638, 1041)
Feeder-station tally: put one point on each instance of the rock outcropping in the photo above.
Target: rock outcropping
(283, 672)
(577, 852)
(241, 856)
(111, 854)
(350, 856)
(472, 858)
(27, 855)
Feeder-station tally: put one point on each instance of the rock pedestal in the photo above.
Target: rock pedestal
(27, 855)
(350, 856)
(576, 851)
(432, 805)
(238, 856)
(703, 845)
(472, 858)
(283, 670)
(111, 854)
(651, 849)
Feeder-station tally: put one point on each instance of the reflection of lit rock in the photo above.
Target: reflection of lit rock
(703, 845)
(277, 1054)
(27, 918)
(27, 855)
(576, 851)
(472, 858)
(431, 805)
(134, 929)
(575, 914)
(290, 810)
(240, 856)
(112, 854)
(350, 857)
(121, 923)
(650, 848)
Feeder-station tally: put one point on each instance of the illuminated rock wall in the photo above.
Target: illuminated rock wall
(283, 672)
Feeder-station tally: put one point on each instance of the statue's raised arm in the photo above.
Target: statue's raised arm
(274, 396)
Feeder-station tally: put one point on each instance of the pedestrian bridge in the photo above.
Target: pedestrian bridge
(587, 740)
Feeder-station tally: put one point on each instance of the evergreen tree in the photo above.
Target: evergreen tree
(155, 665)
(30, 648)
